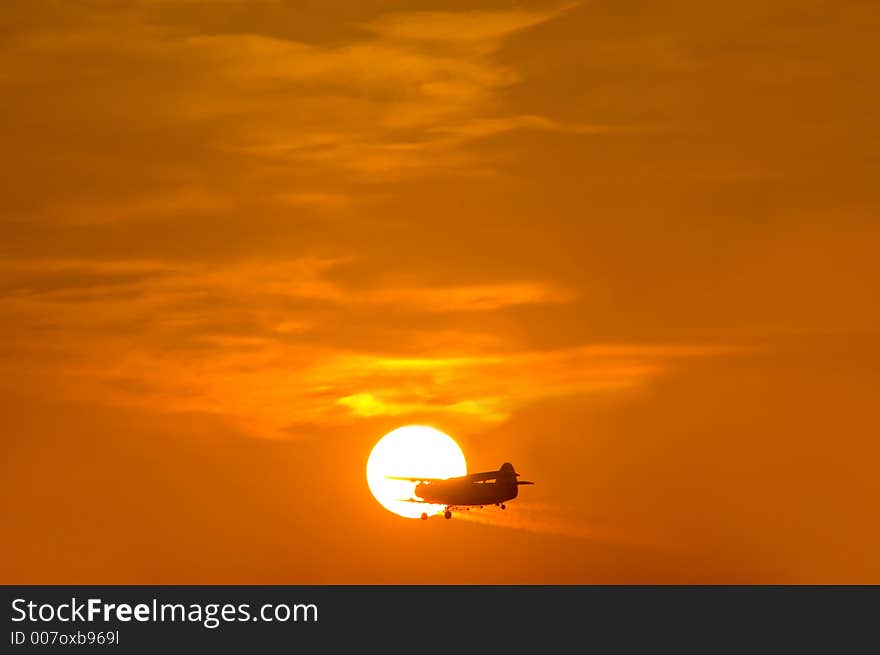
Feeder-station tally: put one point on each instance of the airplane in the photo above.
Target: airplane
(466, 491)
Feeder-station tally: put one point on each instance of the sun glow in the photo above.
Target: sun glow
(411, 451)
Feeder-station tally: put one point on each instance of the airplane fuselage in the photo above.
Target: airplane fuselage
(463, 492)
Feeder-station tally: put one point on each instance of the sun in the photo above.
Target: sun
(411, 451)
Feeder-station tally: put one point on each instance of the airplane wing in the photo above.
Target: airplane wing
(405, 479)
(473, 477)
(485, 475)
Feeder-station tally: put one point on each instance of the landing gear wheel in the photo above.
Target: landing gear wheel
(503, 506)
(424, 516)
(447, 514)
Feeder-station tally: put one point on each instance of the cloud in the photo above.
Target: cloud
(481, 31)
(317, 200)
(171, 157)
(260, 343)
(385, 102)
(468, 298)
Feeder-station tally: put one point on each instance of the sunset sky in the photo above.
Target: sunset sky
(630, 247)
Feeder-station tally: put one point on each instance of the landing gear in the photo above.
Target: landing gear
(503, 506)
(447, 514)
(424, 516)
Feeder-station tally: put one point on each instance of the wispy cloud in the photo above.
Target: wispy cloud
(400, 98)
(265, 130)
(258, 342)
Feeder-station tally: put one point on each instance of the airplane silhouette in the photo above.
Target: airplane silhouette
(466, 491)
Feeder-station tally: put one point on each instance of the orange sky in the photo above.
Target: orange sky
(628, 246)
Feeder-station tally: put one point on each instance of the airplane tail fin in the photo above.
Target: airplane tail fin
(507, 467)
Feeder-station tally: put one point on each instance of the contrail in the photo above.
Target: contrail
(542, 519)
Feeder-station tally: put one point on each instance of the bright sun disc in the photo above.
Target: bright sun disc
(413, 451)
